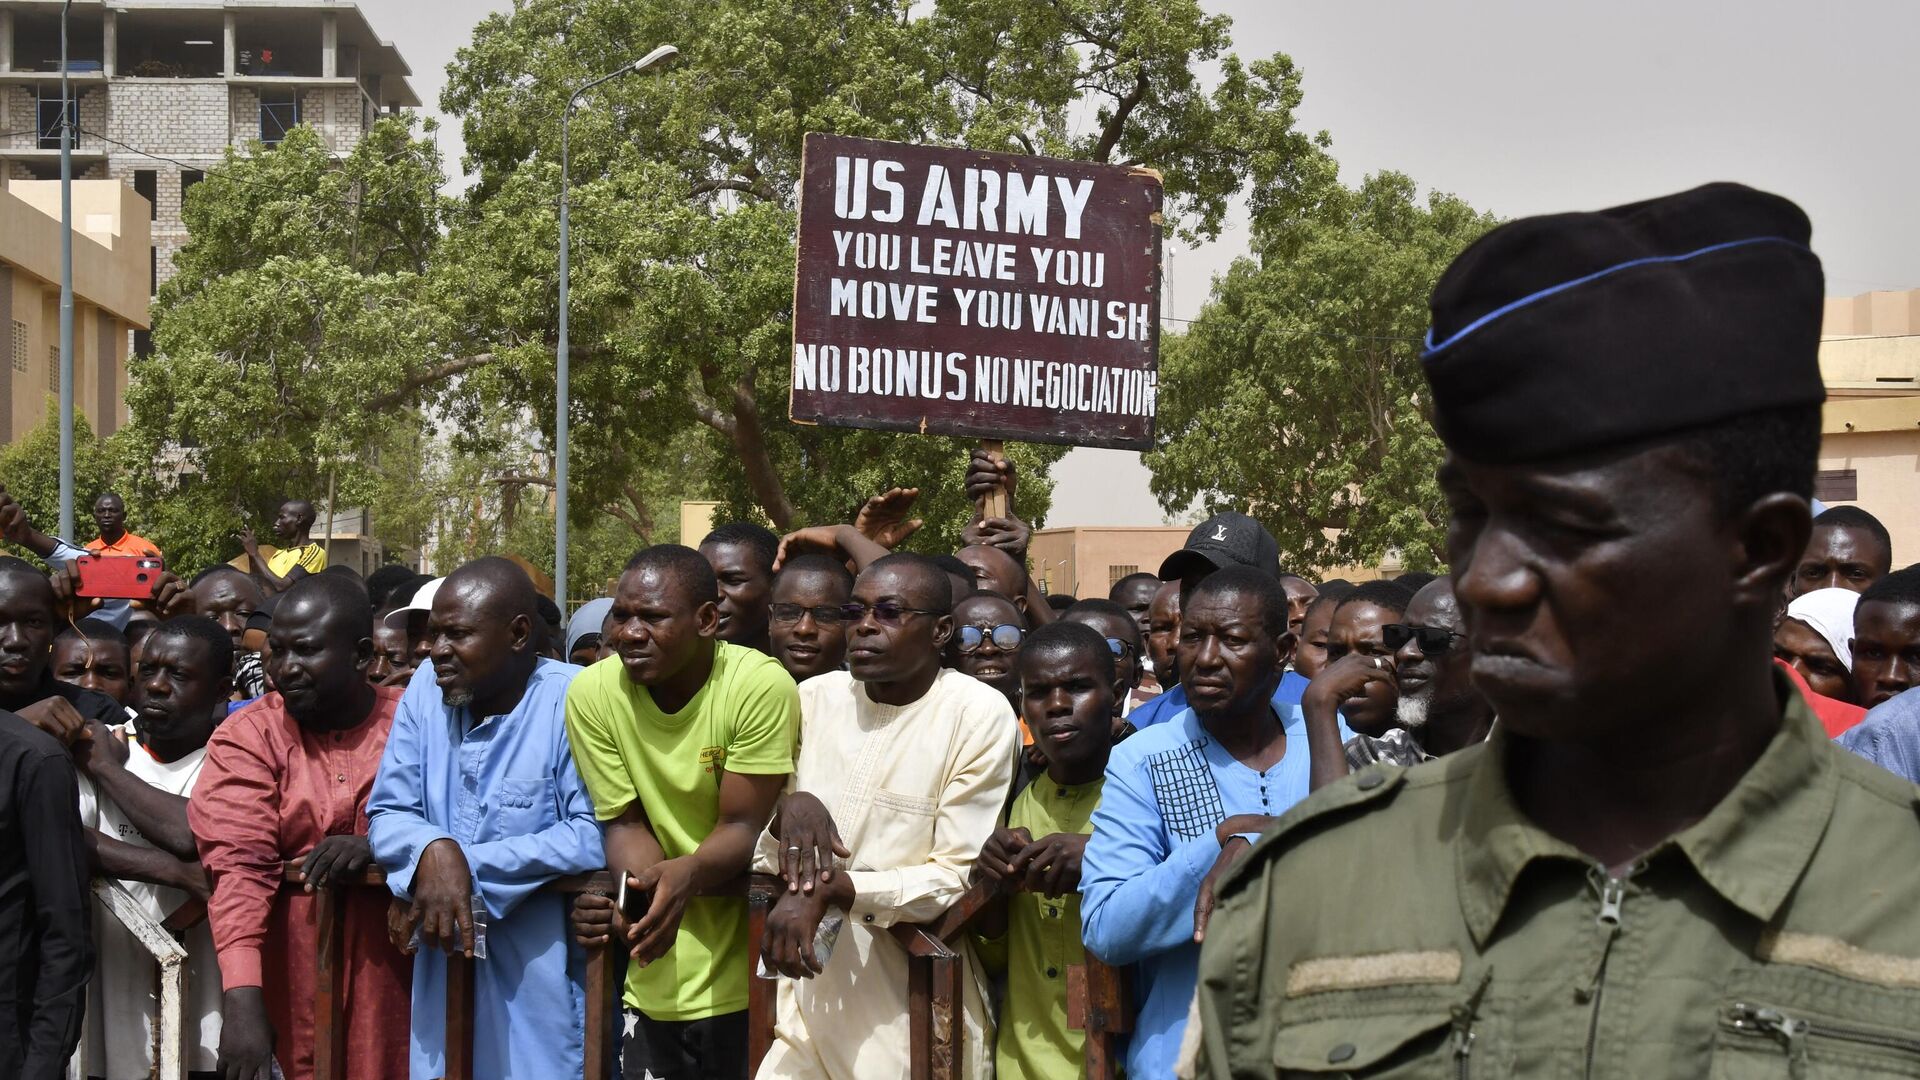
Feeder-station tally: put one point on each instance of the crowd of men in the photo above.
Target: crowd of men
(1576, 804)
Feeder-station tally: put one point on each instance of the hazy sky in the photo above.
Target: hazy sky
(1524, 107)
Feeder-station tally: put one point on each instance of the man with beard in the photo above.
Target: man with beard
(287, 778)
(685, 745)
(477, 796)
(742, 556)
(915, 762)
(1658, 865)
(1438, 710)
(134, 802)
(1185, 794)
(808, 629)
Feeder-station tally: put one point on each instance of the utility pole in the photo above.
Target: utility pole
(66, 285)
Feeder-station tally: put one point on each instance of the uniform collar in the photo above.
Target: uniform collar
(1751, 848)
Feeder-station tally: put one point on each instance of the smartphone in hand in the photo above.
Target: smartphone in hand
(116, 577)
(631, 904)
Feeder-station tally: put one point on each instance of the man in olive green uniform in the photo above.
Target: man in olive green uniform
(1658, 866)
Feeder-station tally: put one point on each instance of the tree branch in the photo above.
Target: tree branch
(438, 373)
(1121, 110)
(750, 443)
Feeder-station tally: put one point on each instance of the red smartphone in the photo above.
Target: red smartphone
(117, 577)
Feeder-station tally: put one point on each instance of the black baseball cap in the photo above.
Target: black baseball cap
(1223, 540)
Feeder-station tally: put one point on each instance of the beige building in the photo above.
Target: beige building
(1085, 560)
(1870, 444)
(110, 257)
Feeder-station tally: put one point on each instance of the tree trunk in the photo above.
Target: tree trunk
(750, 442)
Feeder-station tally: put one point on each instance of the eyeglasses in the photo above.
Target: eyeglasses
(886, 612)
(1006, 637)
(1120, 648)
(1434, 640)
(825, 614)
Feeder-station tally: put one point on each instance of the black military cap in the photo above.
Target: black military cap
(1570, 332)
(1223, 540)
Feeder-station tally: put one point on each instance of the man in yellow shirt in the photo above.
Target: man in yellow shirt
(298, 555)
(1068, 687)
(685, 743)
(110, 514)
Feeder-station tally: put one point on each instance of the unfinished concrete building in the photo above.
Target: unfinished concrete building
(163, 87)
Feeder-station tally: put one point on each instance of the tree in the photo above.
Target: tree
(30, 469)
(683, 187)
(1297, 393)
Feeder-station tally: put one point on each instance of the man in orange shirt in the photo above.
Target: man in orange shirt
(110, 513)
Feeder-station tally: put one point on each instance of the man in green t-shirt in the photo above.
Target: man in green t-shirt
(685, 745)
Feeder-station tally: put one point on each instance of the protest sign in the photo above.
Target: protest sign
(956, 292)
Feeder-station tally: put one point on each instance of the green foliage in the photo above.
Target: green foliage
(30, 469)
(1297, 393)
(683, 199)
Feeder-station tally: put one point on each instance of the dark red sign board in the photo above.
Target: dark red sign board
(956, 292)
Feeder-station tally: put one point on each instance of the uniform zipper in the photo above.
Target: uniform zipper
(1613, 895)
(1463, 1036)
(1792, 1033)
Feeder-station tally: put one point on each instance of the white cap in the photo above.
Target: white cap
(422, 601)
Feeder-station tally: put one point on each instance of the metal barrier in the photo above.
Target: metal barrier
(1096, 999)
(170, 960)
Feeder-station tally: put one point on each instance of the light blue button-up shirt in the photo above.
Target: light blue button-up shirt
(1168, 788)
(507, 792)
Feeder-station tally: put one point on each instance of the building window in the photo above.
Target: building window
(19, 349)
(279, 114)
(53, 368)
(1115, 573)
(49, 118)
(1836, 485)
(143, 343)
(153, 270)
(188, 178)
(146, 184)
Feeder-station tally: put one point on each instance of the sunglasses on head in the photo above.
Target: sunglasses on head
(886, 612)
(825, 614)
(1006, 637)
(1433, 640)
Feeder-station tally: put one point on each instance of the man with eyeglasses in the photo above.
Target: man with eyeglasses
(1439, 710)
(987, 632)
(807, 627)
(904, 768)
(684, 746)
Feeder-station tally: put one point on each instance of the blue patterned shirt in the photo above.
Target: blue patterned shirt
(1890, 736)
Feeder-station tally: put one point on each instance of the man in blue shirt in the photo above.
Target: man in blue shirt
(1182, 794)
(1890, 735)
(477, 795)
(1223, 540)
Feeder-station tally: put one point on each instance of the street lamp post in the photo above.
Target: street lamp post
(66, 285)
(659, 57)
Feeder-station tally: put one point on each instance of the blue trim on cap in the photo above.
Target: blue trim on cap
(1509, 308)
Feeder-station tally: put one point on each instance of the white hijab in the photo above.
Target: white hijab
(1829, 612)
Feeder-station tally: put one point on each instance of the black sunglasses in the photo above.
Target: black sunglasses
(1006, 637)
(1119, 648)
(1434, 640)
(825, 614)
(886, 612)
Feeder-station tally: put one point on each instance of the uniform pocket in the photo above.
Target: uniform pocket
(1761, 1041)
(1388, 1045)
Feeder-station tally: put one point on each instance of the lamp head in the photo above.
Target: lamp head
(664, 56)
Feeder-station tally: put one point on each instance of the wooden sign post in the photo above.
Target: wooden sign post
(995, 296)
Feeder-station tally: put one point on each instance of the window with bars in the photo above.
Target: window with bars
(19, 350)
(1836, 485)
(47, 118)
(1120, 570)
(53, 368)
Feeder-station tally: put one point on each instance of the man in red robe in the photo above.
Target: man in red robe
(287, 778)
